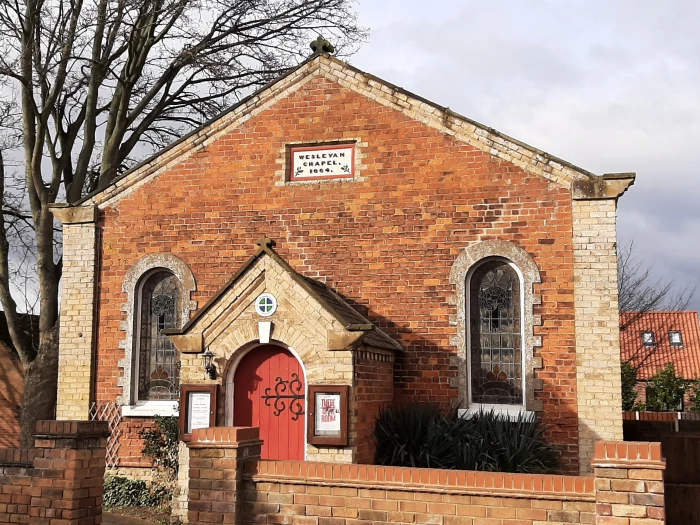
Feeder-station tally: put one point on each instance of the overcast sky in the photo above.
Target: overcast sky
(611, 86)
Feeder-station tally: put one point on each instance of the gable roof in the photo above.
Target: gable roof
(330, 300)
(650, 360)
(439, 117)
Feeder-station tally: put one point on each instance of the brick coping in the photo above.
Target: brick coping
(534, 486)
(661, 416)
(629, 454)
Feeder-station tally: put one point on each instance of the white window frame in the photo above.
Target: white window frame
(132, 286)
(512, 412)
(671, 333)
(147, 407)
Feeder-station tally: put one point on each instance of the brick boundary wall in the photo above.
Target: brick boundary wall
(60, 481)
(230, 484)
(217, 459)
(629, 479)
(660, 416)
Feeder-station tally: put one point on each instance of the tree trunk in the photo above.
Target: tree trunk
(40, 386)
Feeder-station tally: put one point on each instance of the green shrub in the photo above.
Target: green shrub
(420, 435)
(125, 492)
(160, 444)
(629, 381)
(666, 390)
(415, 435)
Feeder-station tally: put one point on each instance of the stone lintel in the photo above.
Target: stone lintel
(608, 186)
(344, 340)
(191, 343)
(74, 214)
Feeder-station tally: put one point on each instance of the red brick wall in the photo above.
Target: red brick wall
(11, 391)
(387, 242)
(319, 494)
(228, 483)
(217, 459)
(372, 392)
(60, 481)
(131, 444)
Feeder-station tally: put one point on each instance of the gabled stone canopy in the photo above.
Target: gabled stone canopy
(307, 309)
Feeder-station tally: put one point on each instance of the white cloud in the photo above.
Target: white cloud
(608, 85)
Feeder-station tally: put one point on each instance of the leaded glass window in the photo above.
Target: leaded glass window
(495, 335)
(158, 366)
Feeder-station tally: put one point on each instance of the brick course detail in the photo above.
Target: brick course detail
(627, 487)
(60, 481)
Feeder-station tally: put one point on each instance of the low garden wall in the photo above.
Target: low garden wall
(230, 484)
(60, 481)
(661, 416)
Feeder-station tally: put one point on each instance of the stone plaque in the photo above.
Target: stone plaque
(322, 162)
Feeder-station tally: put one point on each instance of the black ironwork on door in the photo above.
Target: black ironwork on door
(288, 394)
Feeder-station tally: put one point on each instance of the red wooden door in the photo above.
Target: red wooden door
(268, 392)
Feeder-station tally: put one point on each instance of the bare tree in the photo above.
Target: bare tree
(101, 83)
(639, 293)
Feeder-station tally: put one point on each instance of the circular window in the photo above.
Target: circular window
(266, 304)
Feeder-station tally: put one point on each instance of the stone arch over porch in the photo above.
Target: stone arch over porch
(324, 332)
(229, 371)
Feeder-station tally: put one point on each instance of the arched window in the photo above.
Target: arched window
(157, 359)
(495, 335)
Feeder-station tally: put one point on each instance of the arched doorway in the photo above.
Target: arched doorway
(269, 390)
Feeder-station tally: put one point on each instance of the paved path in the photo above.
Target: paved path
(115, 519)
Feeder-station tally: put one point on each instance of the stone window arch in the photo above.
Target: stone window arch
(158, 288)
(495, 320)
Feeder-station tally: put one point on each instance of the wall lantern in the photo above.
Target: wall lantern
(209, 366)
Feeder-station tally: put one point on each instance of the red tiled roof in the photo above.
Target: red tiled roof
(651, 359)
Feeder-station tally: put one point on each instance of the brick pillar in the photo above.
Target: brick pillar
(597, 325)
(629, 481)
(68, 479)
(217, 458)
(75, 358)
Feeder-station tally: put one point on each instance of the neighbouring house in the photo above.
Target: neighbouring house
(12, 381)
(334, 230)
(652, 340)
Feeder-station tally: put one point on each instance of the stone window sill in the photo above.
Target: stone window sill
(512, 412)
(151, 409)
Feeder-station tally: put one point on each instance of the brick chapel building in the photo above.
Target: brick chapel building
(334, 229)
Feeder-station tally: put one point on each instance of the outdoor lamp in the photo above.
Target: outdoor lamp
(209, 365)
